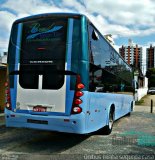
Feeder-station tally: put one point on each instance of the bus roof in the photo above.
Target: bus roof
(70, 15)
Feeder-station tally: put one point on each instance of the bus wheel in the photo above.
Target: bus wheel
(128, 114)
(107, 129)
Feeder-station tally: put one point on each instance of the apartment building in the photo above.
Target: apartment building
(3, 71)
(150, 57)
(132, 55)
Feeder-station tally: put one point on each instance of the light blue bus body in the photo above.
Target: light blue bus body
(41, 106)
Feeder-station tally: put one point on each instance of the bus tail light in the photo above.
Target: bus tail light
(80, 86)
(7, 96)
(77, 109)
(6, 84)
(78, 93)
(77, 101)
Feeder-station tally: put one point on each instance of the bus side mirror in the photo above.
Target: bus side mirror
(95, 35)
(135, 85)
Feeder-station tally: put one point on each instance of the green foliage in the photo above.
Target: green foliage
(139, 102)
(150, 74)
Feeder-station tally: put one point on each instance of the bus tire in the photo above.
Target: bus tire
(108, 128)
(129, 114)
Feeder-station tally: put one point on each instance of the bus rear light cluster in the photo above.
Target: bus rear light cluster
(78, 93)
(7, 96)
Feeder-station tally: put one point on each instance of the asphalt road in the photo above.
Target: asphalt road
(131, 136)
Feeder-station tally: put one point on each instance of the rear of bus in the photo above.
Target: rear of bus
(47, 80)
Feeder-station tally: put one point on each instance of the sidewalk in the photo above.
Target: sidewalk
(146, 108)
(2, 119)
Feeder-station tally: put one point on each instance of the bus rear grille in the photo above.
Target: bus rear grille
(37, 121)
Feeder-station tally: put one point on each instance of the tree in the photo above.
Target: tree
(150, 74)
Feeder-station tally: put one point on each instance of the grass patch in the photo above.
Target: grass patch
(139, 102)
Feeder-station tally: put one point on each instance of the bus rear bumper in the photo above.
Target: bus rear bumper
(69, 124)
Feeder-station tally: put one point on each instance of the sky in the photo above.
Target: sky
(124, 19)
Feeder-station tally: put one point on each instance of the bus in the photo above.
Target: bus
(64, 76)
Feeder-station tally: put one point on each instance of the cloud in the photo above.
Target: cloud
(152, 43)
(6, 22)
(125, 18)
(125, 12)
(74, 5)
(120, 18)
(29, 7)
(5, 27)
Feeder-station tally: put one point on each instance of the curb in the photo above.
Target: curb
(2, 114)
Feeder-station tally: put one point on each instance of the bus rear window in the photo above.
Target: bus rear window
(43, 52)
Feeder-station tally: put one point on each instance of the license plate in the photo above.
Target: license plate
(39, 109)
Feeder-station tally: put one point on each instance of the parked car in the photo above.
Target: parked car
(151, 90)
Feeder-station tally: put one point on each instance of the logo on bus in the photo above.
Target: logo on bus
(38, 30)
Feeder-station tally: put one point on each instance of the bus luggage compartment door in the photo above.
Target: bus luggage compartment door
(41, 100)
